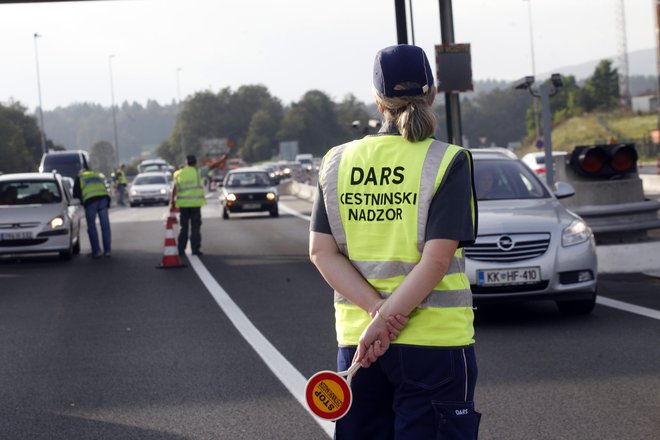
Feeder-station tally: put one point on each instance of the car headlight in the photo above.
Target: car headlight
(231, 197)
(576, 233)
(56, 222)
(135, 192)
(163, 191)
(271, 196)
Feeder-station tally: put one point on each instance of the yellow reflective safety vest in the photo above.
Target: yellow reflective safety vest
(121, 178)
(189, 188)
(92, 185)
(377, 193)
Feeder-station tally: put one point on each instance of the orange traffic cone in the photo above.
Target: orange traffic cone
(171, 252)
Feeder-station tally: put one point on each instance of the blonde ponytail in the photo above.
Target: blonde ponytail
(412, 115)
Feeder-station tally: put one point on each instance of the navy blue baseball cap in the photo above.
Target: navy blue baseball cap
(400, 64)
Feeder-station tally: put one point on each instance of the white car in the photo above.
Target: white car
(150, 188)
(536, 162)
(529, 246)
(38, 214)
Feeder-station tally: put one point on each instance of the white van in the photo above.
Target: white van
(306, 160)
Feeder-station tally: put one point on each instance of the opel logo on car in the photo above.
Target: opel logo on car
(505, 243)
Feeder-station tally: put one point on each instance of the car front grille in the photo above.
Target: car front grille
(249, 197)
(15, 226)
(24, 242)
(504, 248)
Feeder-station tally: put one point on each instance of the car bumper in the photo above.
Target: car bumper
(40, 242)
(251, 206)
(561, 274)
(149, 199)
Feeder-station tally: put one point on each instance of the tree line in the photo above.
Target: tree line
(256, 122)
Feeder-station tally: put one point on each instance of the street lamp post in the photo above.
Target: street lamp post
(114, 114)
(178, 95)
(531, 47)
(544, 91)
(41, 111)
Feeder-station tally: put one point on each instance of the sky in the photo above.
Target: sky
(165, 50)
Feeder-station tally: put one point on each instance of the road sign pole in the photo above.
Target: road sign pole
(544, 90)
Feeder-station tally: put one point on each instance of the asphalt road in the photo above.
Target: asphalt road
(118, 349)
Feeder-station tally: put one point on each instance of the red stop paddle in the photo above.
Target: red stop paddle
(328, 394)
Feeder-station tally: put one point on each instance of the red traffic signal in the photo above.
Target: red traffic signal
(604, 161)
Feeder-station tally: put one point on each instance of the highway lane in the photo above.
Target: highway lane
(148, 354)
(117, 349)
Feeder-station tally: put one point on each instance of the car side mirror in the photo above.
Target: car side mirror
(75, 202)
(563, 190)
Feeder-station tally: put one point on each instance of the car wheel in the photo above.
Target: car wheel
(67, 254)
(275, 212)
(76, 247)
(577, 307)
(225, 214)
(132, 205)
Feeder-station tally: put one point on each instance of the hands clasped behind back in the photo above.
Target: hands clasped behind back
(375, 339)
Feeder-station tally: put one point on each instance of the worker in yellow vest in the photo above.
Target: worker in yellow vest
(188, 196)
(90, 188)
(388, 227)
(121, 185)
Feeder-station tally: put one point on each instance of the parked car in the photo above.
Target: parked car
(248, 190)
(536, 161)
(66, 163)
(529, 246)
(150, 188)
(38, 214)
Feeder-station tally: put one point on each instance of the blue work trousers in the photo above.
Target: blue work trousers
(190, 218)
(412, 393)
(98, 206)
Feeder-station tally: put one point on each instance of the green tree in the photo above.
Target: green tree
(261, 143)
(601, 90)
(313, 123)
(20, 139)
(102, 156)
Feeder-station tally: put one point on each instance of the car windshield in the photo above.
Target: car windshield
(506, 179)
(29, 192)
(153, 167)
(248, 179)
(150, 180)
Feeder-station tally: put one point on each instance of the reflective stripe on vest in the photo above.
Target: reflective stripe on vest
(92, 185)
(377, 192)
(189, 188)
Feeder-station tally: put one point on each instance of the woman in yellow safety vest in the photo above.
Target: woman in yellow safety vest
(392, 215)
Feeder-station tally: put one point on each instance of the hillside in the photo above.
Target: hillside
(599, 128)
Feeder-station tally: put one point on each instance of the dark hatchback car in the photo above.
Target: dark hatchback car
(249, 190)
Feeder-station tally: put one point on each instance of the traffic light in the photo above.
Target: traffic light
(604, 161)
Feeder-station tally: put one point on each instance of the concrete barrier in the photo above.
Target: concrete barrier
(651, 183)
(299, 190)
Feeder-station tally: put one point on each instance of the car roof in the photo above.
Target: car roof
(248, 170)
(65, 152)
(154, 173)
(492, 153)
(27, 176)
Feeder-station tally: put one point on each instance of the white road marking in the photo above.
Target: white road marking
(293, 212)
(638, 310)
(291, 378)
